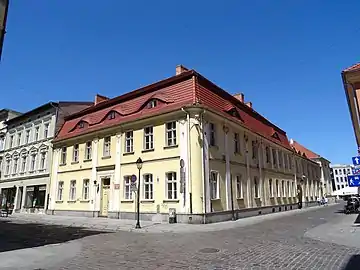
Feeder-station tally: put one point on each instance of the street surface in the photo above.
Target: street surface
(318, 238)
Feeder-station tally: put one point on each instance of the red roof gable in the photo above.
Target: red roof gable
(303, 150)
(353, 68)
(185, 89)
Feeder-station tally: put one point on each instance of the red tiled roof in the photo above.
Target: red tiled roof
(352, 68)
(187, 89)
(303, 150)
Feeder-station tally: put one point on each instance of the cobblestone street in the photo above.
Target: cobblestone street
(271, 244)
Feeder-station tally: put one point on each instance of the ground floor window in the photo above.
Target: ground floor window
(35, 196)
(7, 197)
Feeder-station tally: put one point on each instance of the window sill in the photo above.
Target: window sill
(170, 146)
(128, 153)
(237, 154)
(171, 201)
(83, 201)
(74, 162)
(127, 201)
(42, 170)
(147, 150)
(31, 171)
(59, 201)
(87, 160)
(106, 157)
(147, 201)
(62, 164)
(215, 199)
(71, 201)
(240, 199)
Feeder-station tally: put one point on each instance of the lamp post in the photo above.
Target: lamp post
(139, 164)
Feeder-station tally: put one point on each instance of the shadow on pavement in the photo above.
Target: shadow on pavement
(353, 263)
(357, 220)
(15, 236)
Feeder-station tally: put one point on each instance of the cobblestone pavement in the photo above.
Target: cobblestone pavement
(272, 244)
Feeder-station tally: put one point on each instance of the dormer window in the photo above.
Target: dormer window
(276, 136)
(81, 125)
(152, 104)
(111, 115)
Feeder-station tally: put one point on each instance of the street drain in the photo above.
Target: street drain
(209, 250)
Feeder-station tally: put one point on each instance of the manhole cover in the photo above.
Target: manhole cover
(208, 250)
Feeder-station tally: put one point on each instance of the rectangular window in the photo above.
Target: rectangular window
(285, 160)
(280, 159)
(278, 192)
(271, 189)
(19, 139)
(212, 134)
(7, 170)
(76, 153)
(42, 161)
(214, 185)
(127, 188)
(288, 189)
(23, 164)
(32, 163)
(148, 187)
(129, 142)
(274, 158)
(254, 149)
(171, 134)
(290, 162)
(27, 136)
(15, 165)
(171, 186)
(148, 138)
(256, 187)
(239, 187)
(283, 188)
(36, 137)
(11, 141)
(236, 143)
(267, 152)
(2, 143)
(107, 147)
(85, 191)
(46, 130)
(63, 156)
(60, 191)
(88, 147)
(72, 194)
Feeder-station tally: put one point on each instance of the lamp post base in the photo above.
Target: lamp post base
(137, 226)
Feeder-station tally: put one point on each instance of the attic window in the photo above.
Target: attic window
(111, 115)
(276, 136)
(152, 104)
(234, 112)
(81, 125)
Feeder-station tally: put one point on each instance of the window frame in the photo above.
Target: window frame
(217, 185)
(88, 150)
(86, 190)
(42, 161)
(239, 183)
(63, 155)
(212, 134)
(150, 183)
(27, 136)
(129, 141)
(237, 148)
(72, 190)
(173, 131)
(257, 194)
(46, 130)
(271, 188)
(23, 161)
(36, 134)
(107, 146)
(15, 165)
(60, 191)
(174, 185)
(149, 135)
(75, 153)
(33, 162)
(127, 185)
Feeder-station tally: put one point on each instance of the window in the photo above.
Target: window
(338, 187)
(7, 170)
(42, 161)
(129, 142)
(283, 188)
(111, 115)
(254, 149)
(152, 104)
(46, 130)
(63, 156)
(271, 191)
(278, 193)
(148, 138)
(342, 186)
(267, 152)
(107, 147)
(36, 134)
(239, 187)
(214, 185)
(290, 162)
(72, 194)
(236, 143)
(2, 143)
(280, 158)
(212, 134)
(288, 189)
(293, 189)
(148, 187)
(60, 191)
(274, 157)
(336, 172)
(76, 153)
(81, 124)
(337, 179)
(88, 146)
(19, 139)
(344, 171)
(27, 136)
(85, 191)
(171, 186)
(32, 163)
(11, 141)
(285, 156)
(171, 134)
(15, 165)
(23, 164)
(256, 187)
(127, 187)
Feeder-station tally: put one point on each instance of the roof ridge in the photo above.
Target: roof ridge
(353, 67)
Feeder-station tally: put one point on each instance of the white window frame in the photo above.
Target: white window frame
(86, 189)
(36, 134)
(42, 160)
(15, 165)
(7, 166)
(60, 191)
(72, 190)
(271, 188)
(150, 137)
(76, 153)
(214, 185)
(171, 133)
(171, 180)
(11, 141)
(46, 130)
(239, 186)
(127, 187)
(129, 141)
(19, 138)
(27, 136)
(148, 180)
(23, 163)
(107, 147)
(212, 134)
(283, 188)
(33, 162)
(88, 150)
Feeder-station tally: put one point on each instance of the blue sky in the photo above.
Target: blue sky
(286, 56)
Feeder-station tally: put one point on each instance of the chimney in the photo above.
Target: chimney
(180, 69)
(249, 104)
(240, 97)
(291, 141)
(100, 98)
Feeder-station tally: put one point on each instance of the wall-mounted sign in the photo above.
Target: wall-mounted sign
(116, 186)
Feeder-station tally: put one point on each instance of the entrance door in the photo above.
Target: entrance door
(105, 192)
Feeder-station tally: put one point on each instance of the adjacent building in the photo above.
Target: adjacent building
(339, 173)
(25, 177)
(206, 154)
(325, 173)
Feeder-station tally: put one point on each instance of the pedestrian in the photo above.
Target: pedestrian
(319, 201)
(326, 201)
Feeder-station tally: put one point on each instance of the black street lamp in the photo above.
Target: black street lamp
(139, 164)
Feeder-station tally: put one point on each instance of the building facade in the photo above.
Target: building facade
(339, 173)
(27, 155)
(206, 154)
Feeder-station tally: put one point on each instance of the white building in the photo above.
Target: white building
(339, 173)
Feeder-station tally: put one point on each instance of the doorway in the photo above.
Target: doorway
(105, 192)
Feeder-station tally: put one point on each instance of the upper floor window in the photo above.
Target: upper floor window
(256, 187)
(274, 157)
(27, 136)
(2, 143)
(111, 115)
(267, 153)
(46, 130)
(15, 165)
(11, 141)
(271, 188)
(171, 186)
(36, 134)
(76, 153)
(280, 158)
(148, 138)
(129, 142)
(7, 167)
(42, 160)
(88, 150)
(63, 156)
(23, 164)
(32, 162)
(107, 147)
(277, 188)
(60, 191)
(19, 139)
(254, 149)
(81, 124)
(239, 187)
(171, 134)
(214, 185)
(152, 104)
(212, 134)
(236, 143)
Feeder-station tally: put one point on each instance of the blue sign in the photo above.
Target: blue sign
(355, 170)
(356, 160)
(354, 180)
(133, 178)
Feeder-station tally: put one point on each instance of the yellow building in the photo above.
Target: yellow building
(206, 154)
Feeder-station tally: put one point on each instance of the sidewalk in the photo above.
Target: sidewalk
(111, 225)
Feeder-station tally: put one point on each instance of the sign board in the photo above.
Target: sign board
(182, 180)
(133, 187)
(133, 178)
(182, 163)
(356, 171)
(116, 186)
(354, 180)
(356, 160)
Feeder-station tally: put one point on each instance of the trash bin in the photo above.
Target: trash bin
(172, 215)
